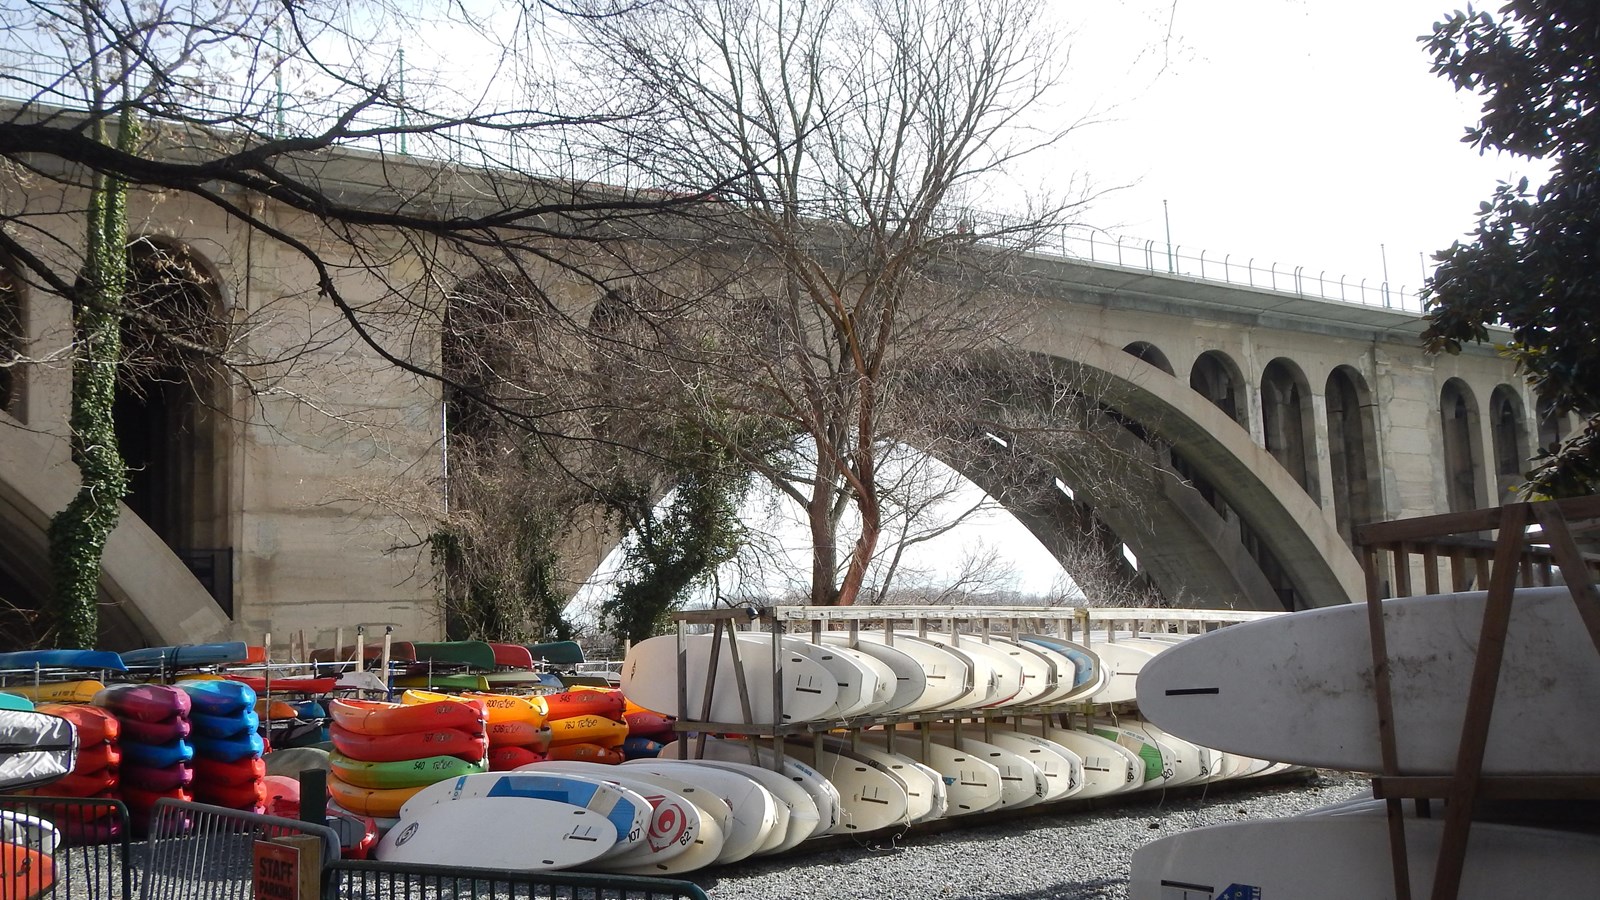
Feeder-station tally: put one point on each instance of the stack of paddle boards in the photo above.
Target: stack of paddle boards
(225, 731)
(1299, 688)
(586, 725)
(386, 752)
(516, 725)
(157, 757)
(94, 776)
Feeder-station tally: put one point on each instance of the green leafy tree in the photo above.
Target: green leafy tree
(1533, 264)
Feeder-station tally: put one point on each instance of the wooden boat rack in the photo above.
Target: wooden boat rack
(1517, 557)
(1087, 625)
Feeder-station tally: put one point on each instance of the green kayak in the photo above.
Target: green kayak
(472, 654)
(443, 682)
(401, 774)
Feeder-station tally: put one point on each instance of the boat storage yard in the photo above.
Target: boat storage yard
(753, 733)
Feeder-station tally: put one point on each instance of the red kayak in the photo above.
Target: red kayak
(144, 702)
(519, 734)
(569, 704)
(237, 772)
(505, 759)
(94, 725)
(287, 685)
(587, 753)
(375, 717)
(412, 745)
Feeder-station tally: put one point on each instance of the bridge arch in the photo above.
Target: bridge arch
(1151, 354)
(1183, 541)
(1287, 421)
(1216, 377)
(1463, 445)
(1352, 450)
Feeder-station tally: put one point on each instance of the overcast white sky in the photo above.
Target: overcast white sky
(1305, 132)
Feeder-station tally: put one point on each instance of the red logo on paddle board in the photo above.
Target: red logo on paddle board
(667, 825)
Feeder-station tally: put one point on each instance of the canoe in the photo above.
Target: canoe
(15, 701)
(500, 707)
(569, 704)
(145, 778)
(471, 654)
(231, 749)
(560, 652)
(228, 726)
(189, 655)
(399, 651)
(95, 725)
(164, 732)
(443, 681)
(232, 796)
(587, 752)
(80, 690)
(219, 698)
(155, 756)
(35, 748)
(63, 659)
(144, 702)
(376, 717)
(505, 759)
(412, 745)
(260, 684)
(401, 774)
(384, 802)
(588, 730)
(519, 734)
(245, 770)
(511, 656)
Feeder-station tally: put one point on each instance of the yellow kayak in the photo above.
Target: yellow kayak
(81, 691)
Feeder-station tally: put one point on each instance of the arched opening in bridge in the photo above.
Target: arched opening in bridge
(1215, 377)
(1352, 451)
(1287, 425)
(172, 411)
(13, 345)
(1510, 437)
(1552, 425)
(1151, 354)
(1458, 413)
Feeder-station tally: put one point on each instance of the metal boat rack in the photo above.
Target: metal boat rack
(1086, 625)
(1517, 557)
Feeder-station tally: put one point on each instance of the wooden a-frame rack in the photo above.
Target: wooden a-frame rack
(1515, 556)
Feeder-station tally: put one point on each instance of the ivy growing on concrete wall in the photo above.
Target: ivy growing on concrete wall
(78, 533)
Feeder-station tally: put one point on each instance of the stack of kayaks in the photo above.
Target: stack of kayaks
(157, 758)
(94, 776)
(587, 725)
(517, 731)
(225, 732)
(386, 752)
(290, 707)
(647, 731)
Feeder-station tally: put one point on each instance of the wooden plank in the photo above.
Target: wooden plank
(1402, 570)
(1497, 787)
(1480, 704)
(1399, 866)
(1577, 576)
(1430, 569)
(1425, 527)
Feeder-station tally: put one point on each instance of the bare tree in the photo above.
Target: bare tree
(858, 298)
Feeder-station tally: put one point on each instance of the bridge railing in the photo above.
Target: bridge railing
(273, 111)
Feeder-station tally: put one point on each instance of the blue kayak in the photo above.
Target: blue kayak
(228, 749)
(156, 756)
(219, 698)
(186, 655)
(232, 725)
(63, 659)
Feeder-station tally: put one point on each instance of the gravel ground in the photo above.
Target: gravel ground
(1072, 855)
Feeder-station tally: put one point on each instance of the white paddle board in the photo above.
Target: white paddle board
(1039, 677)
(1108, 768)
(821, 791)
(921, 795)
(1155, 757)
(650, 679)
(856, 684)
(495, 833)
(1004, 673)
(870, 799)
(674, 821)
(755, 812)
(1122, 663)
(1062, 769)
(1298, 688)
(801, 819)
(971, 784)
(1088, 672)
(715, 819)
(1338, 857)
(909, 677)
(626, 810)
(1021, 782)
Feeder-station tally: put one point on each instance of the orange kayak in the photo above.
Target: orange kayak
(375, 717)
(95, 725)
(500, 707)
(588, 730)
(568, 704)
(519, 734)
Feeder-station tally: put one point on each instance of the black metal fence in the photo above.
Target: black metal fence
(202, 852)
(65, 848)
(366, 880)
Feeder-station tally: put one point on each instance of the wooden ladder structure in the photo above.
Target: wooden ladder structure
(1515, 556)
